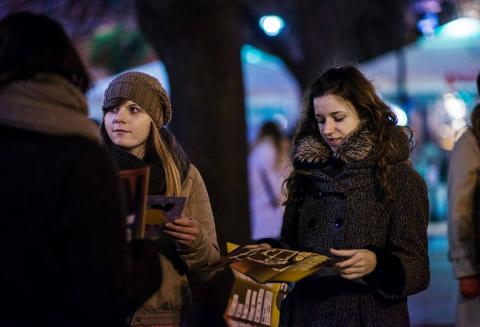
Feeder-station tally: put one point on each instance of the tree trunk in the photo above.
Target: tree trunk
(199, 43)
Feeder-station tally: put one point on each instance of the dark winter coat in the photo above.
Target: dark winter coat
(65, 260)
(339, 208)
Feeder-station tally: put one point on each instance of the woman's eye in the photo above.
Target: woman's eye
(320, 121)
(134, 109)
(339, 119)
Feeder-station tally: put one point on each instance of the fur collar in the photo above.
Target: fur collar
(312, 151)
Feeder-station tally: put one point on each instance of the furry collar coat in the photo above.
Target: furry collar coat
(342, 211)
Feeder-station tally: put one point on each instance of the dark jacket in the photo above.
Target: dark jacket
(339, 208)
(65, 260)
(62, 241)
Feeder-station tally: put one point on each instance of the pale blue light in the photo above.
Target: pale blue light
(462, 27)
(272, 25)
(401, 115)
(428, 24)
(253, 56)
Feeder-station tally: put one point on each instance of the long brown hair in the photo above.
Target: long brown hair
(351, 85)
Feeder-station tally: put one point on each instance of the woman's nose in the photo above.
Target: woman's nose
(117, 121)
(119, 117)
(328, 128)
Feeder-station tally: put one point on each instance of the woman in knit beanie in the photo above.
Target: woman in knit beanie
(136, 110)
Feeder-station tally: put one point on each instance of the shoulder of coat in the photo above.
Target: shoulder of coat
(193, 175)
(404, 173)
(193, 172)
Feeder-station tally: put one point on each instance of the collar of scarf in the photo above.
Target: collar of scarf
(47, 104)
(312, 152)
(156, 186)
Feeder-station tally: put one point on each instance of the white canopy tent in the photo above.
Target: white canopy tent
(447, 61)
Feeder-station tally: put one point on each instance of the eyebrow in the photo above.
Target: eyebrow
(332, 113)
(133, 105)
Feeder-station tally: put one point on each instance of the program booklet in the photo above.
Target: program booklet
(254, 304)
(263, 278)
(160, 210)
(134, 186)
(277, 265)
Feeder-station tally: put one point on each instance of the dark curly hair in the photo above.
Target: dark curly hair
(351, 85)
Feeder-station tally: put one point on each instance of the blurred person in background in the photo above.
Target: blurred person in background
(65, 258)
(464, 221)
(136, 109)
(268, 167)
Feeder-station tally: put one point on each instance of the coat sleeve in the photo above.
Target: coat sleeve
(109, 278)
(205, 250)
(403, 265)
(463, 176)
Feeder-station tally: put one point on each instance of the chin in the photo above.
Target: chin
(122, 145)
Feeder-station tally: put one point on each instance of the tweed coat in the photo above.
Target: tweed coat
(340, 208)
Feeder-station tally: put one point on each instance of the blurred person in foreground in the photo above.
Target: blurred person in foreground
(65, 259)
(464, 221)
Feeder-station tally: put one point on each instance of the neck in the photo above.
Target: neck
(138, 151)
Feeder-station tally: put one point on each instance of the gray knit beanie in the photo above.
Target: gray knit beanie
(144, 90)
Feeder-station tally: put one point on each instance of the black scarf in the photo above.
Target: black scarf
(125, 160)
(156, 186)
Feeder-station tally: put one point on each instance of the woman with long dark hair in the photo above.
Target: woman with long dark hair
(353, 194)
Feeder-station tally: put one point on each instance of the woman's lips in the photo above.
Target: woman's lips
(334, 141)
(120, 132)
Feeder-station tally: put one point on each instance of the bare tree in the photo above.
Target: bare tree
(322, 33)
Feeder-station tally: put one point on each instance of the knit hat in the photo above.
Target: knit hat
(144, 90)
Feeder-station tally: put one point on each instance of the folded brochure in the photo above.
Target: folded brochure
(277, 265)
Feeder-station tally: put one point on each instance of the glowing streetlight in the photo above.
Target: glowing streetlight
(272, 25)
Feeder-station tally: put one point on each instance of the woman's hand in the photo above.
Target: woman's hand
(184, 230)
(360, 262)
(470, 286)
